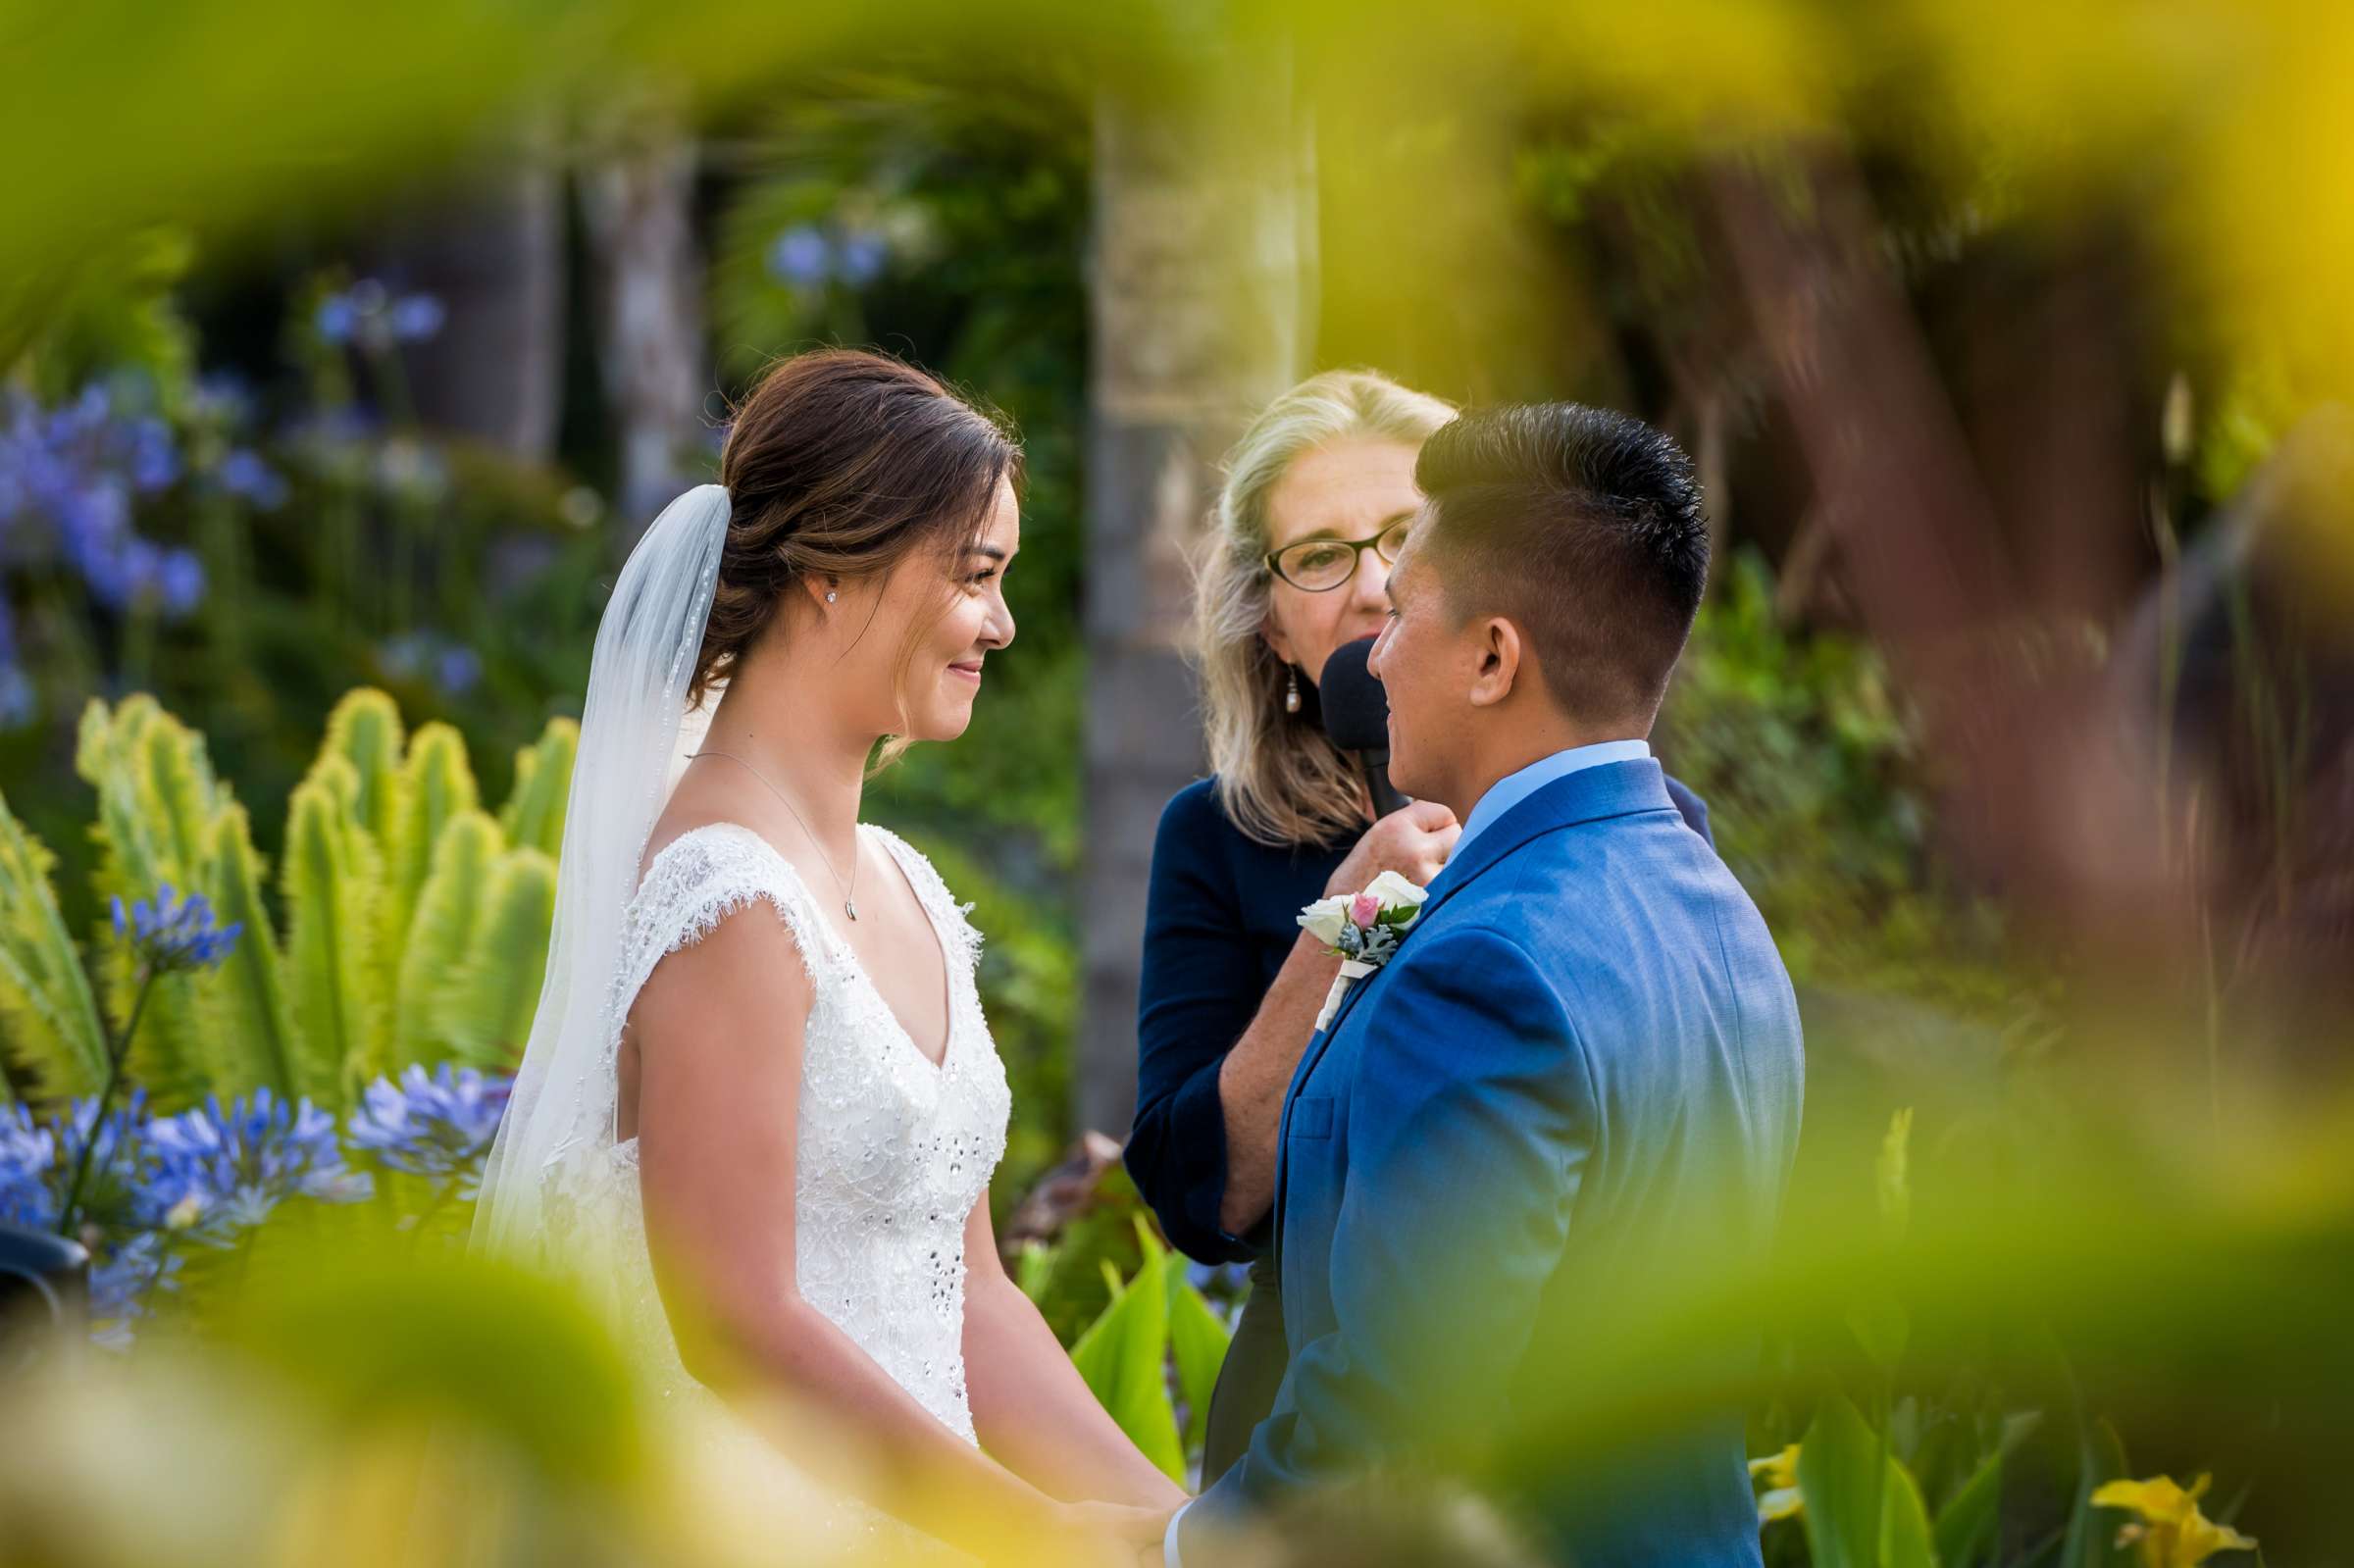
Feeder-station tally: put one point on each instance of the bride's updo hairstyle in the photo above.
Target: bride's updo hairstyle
(841, 463)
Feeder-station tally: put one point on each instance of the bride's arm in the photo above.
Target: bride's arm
(718, 1030)
(1030, 1405)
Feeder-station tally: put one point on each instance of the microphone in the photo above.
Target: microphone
(1356, 718)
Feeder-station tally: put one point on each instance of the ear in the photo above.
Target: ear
(1498, 669)
(1272, 636)
(817, 586)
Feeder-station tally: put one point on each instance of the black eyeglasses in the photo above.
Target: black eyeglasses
(1318, 566)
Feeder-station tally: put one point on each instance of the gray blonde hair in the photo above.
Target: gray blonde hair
(1280, 781)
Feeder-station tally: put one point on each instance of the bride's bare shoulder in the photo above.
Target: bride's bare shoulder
(695, 805)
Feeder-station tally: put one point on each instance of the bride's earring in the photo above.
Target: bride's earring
(1291, 691)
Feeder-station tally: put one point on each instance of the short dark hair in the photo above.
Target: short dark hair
(1583, 528)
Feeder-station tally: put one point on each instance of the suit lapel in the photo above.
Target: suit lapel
(1590, 794)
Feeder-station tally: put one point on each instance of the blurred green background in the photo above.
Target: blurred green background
(348, 348)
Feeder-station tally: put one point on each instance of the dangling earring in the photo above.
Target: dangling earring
(1291, 691)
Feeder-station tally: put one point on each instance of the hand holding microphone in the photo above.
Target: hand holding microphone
(1415, 841)
(1412, 839)
(1356, 718)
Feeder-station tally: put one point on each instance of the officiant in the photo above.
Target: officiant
(1318, 493)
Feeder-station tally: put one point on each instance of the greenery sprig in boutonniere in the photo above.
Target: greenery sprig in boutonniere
(1362, 929)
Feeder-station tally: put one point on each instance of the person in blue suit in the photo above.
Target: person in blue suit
(1580, 1070)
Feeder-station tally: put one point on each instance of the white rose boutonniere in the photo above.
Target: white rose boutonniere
(1362, 929)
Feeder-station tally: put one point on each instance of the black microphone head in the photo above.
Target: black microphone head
(1357, 709)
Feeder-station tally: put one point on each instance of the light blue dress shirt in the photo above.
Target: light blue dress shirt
(1514, 788)
(1502, 796)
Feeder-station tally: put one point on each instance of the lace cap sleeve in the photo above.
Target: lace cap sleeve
(698, 880)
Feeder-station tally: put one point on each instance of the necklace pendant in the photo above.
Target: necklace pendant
(851, 905)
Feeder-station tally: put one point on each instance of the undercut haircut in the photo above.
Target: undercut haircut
(1582, 528)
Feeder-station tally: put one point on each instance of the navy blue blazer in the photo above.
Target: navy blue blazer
(1583, 1062)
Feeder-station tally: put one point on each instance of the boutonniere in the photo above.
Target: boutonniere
(1362, 929)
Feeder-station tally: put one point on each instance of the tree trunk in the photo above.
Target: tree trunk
(637, 202)
(494, 257)
(1202, 224)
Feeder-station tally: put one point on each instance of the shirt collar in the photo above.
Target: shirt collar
(1514, 788)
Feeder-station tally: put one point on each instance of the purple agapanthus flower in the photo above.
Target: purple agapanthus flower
(336, 318)
(179, 577)
(27, 1157)
(123, 1283)
(458, 670)
(429, 655)
(245, 474)
(111, 1192)
(222, 398)
(170, 934)
(19, 703)
(214, 1170)
(802, 256)
(67, 479)
(439, 1126)
(415, 318)
(862, 257)
(366, 312)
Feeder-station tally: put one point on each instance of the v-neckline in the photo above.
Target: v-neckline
(939, 942)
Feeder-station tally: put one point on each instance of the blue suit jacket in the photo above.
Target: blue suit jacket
(1582, 1064)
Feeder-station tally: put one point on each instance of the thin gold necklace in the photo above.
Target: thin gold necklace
(849, 889)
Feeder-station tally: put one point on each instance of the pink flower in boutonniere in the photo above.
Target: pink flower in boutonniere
(1362, 929)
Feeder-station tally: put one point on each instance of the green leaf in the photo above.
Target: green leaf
(1892, 1175)
(533, 815)
(1123, 1357)
(330, 883)
(248, 1016)
(157, 799)
(364, 731)
(1033, 1268)
(1198, 1341)
(1965, 1532)
(1104, 1234)
(1852, 1521)
(486, 1012)
(156, 795)
(436, 785)
(442, 935)
(2092, 1534)
(48, 1013)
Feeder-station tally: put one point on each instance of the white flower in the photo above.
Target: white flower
(1326, 919)
(1392, 889)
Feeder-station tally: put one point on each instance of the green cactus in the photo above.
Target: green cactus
(487, 1010)
(435, 786)
(157, 800)
(331, 878)
(365, 730)
(248, 1014)
(443, 934)
(48, 1014)
(416, 930)
(156, 795)
(533, 815)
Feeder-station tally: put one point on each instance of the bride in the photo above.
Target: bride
(761, 1105)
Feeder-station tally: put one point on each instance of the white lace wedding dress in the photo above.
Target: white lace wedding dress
(891, 1150)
